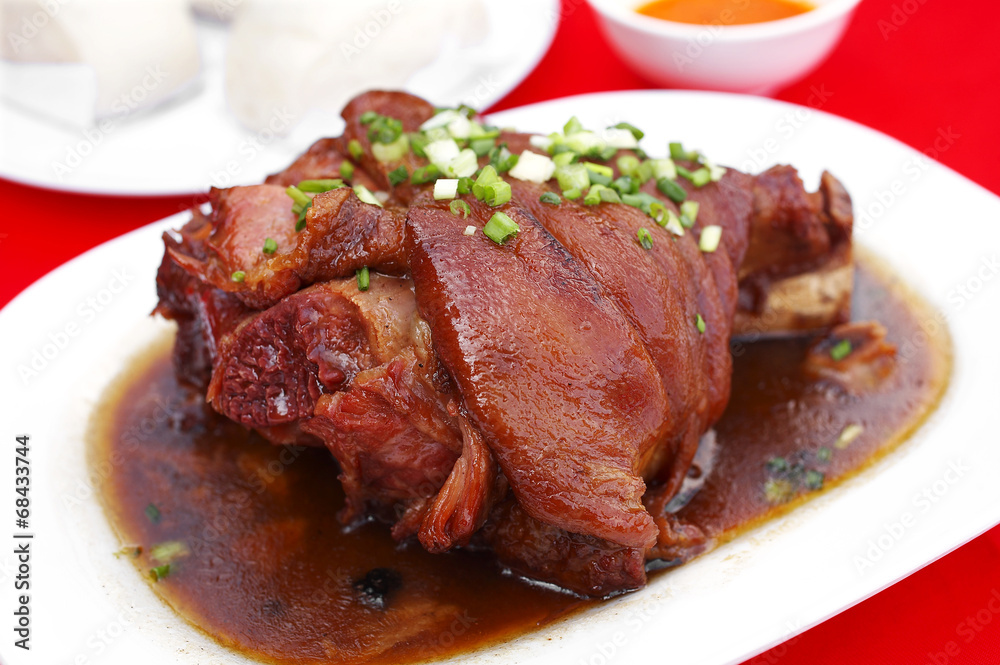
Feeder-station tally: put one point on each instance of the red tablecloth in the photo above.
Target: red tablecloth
(909, 68)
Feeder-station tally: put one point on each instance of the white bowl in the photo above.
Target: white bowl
(756, 58)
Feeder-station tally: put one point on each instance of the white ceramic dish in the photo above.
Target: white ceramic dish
(194, 141)
(758, 58)
(722, 608)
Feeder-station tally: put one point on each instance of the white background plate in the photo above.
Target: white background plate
(939, 232)
(187, 144)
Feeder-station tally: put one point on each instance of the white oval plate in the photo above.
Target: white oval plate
(937, 229)
(193, 141)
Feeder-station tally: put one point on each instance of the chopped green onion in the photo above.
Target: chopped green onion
(616, 138)
(168, 551)
(153, 513)
(465, 185)
(609, 195)
(398, 175)
(442, 152)
(689, 210)
(496, 194)
(366, 196)
(636, 132)
(715, 172)
(671, 190)
(354, 147)
(607, 153)
(847, 435)
(674, 224)
(346, 169)
(572, 126)
(777, 465)
(425, 174)
(600, 169)
(441, 119)
(384, 129)
(463, 165)
(532, 167)
(593, 196)
(487, 177)
(391, 152)
(298, 196)
(238, 276)
(418, 142)
(629, 165)
(572, 176)
(574, 193)
(368, 117)
(841, 350)
(550, 197)
(564, 158)
(445, 188)
(645, 238)
(645, 171)
(598, 178)
(662, 168)
(625, 185)
(824, 454)
(678, 153)
(317, 187)
(470, 230)
(500, 227)
(778, 490)
(658, 212)
(460, 208)
(701, 177)
(501, 158)
(363, 278)
(482, 147)
(699, 323)
(270, 246)
(814, 479)
(710, 237)
(159, 572)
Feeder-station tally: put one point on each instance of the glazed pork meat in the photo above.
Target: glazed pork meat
(542, 394)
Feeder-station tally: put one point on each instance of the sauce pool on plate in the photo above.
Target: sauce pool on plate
(724, 12)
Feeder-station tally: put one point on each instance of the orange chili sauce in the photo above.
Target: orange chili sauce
(724, 12)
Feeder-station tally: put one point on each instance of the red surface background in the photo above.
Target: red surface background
(937, 71)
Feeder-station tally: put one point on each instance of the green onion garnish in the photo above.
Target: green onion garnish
(600, 169)
(564, 158)
(593, 196)
(297, 195)
(710, 237)
(487, 177)
(153, 514)
(346, 169)
(425, 174)
(470, 230)
(609, 195)
(363, 278)
(701, 177)
(383, 129)
(814, 479)
(572, 126)
(398, 175)
(502, 159)
(366, 196)
(301, 223)
(636, 132)
(674, 224)
(463, 165)
(663, 168)
(159, 572)
(168, 551)
(496, 194)
(677, 152)
(550, 197)
(699, 323)
(445, 188)
(318, 187)
(270, 246)
(368, 117)
(671, 190)
(500, 227)
(777, 465)
(689, 213)
(824, 454)
(574, 193)
(465, 185)
(841, 350)
(354, 147)
(238, 276)
(482, 147)
(392, 151)
(645, 238)
(572, 176)
(658, 212)
(460, 208)
(629, 165)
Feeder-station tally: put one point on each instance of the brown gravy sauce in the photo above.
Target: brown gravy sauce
(259, 562)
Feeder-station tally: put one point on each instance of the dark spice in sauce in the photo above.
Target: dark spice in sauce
(241, 536)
